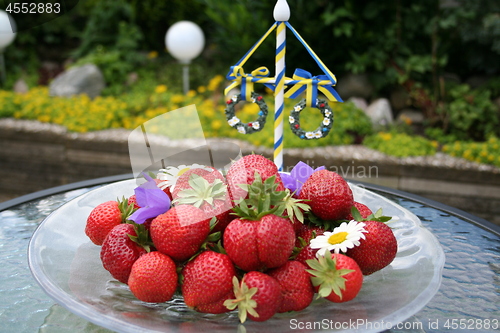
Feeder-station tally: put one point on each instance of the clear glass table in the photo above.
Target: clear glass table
(468, 299)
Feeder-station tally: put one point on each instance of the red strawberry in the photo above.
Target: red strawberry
(243, 171)
(105, 217)
(296, 287)
(119, 251)
(259, 239)
(207, 192)
(306, 233)
(153, 278)
(363, 210)
(217, 306)
(182, 182)
(258, 296)
(377, 250)
(338, 277)
(329, 194)
(256, 245)
(305, 254)
(207, 281)
(180, 231)
(132, 200)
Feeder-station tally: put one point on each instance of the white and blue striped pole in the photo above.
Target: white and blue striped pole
(281, 15)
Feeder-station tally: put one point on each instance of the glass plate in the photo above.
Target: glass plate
(68, 268)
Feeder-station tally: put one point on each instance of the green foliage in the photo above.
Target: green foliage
(487, 152)
(112, 41)
(155, 17)
(469, 114)
(401, 144)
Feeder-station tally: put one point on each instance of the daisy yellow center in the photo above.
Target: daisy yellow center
(337, 238)
(181, 171)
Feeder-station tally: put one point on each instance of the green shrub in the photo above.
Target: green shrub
(470, 114)
(487, 152)
(401, 144)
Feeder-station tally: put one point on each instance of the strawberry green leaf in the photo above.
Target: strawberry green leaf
(356, 214)
(143, 239)
(201, 192)
(243, 301)
(378, 216)
(326, 275)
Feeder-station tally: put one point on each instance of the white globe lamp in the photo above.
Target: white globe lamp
(185, 41)
(7, 35)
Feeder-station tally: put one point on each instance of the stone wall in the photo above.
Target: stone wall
(36, 156)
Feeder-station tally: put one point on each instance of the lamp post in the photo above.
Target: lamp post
(7, 35)
(185, 41)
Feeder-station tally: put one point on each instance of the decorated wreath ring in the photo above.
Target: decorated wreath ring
(322, 130)
(250, 127)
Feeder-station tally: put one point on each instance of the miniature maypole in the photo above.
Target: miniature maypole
(302, 83)
(281, 15)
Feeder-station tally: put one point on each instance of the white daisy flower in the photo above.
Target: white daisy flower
(241, 129)
(253, 100)
(291, 119)
(256, 125)
(233, 121)
(309, 135)
(346, 236)
(169, 175)
(235, 98)
(328, 113)
(326, 121)
(318, 135)
(298, 108)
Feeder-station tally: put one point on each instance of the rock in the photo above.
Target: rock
(86, 79)
(359, 102)
(21, 87)
(354, 85)
(410, 117)
(380, 113)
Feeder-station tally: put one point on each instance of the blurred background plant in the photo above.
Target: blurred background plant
(442, 53)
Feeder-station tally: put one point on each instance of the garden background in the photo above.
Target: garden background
(442, 56)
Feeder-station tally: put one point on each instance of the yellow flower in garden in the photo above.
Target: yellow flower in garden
(385, 136)
(216, 124)
(202, 89)
(215, 82)
(177, 99)
(209, 112)
(153, 55)
(161, 89)
(191, 93)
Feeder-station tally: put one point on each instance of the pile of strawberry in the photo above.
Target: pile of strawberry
(245, 240)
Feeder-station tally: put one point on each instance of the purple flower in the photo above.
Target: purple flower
(152, 200)
(298, 176)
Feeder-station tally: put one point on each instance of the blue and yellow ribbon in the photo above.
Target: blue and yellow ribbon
(239, 77)
(304, 81)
